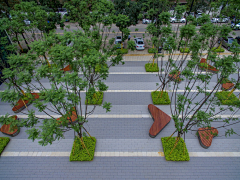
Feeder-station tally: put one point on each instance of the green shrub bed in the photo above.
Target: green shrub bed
(123, 51)
(160, 100)
(152, 50)
(225, 100)
(150, 68)
(79, 153)
(3, 143)
(178, 154)
(96, 100)
(186, 50)
(217, 49)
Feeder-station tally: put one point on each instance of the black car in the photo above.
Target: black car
(238, 39)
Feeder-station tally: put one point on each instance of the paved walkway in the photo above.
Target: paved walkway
(124, 149)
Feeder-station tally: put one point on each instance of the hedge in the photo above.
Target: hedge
(186, 50)
(96, 100)
(160, 100)
(151, 68)
(180, 153)
(217, 49)
(152, 50)
(123, 51)
(225, 100)
(3, 143)
(79, 153)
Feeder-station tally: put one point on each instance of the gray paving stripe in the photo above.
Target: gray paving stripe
(122, 145)
(118, 168)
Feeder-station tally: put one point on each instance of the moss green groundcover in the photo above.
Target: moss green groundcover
(79, 153)
(97, 100)
(123, 51)
(99, 67)
(3, 143)
(186, 50)
(151, 68)
(177, 154)
(152, 50)
(225, 100)
(217, 49)
(160, 100)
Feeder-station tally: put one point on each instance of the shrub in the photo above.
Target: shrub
(184, 50)
(24, 51)
(79, 153)
(96, 99)
(152, 50)
(150, 68)
(180, 153)
(3, 143)
(157, 99)
(217, 49)
(225, 100)
(123, 51)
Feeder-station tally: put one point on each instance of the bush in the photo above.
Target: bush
(160, 100)
(79, 153)
(186, 50)
(96, 100)
(3, 143)
(177, 154)
(152, 50)
(217, 49)
(225, 100)
(150, 68)
(123, 51)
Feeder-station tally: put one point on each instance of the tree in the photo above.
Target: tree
(68, 91)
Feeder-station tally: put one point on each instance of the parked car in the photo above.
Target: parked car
(238, 39)
(62, 11)
(236, 27)
(118, 40)
(175, 20)
(139, 43)
(219, 19)
(148, 21)
(226, 42)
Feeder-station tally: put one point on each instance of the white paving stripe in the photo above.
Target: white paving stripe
(122, 154)
(113, 91)
(119, 116)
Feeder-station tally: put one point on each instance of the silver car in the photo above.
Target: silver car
(219, 19)
(226, 42)
(175, 20)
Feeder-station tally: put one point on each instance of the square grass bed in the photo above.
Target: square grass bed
(225, 100)
(151, 67)
(177, 154)
(164, 100)
(3, 143)
(97, 100)
(79, 153)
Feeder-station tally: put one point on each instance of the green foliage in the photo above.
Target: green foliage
(160, 97)
(225, 99)
(217, 49)
(180, 153)
(79, 153)
(122, 51)
(150, 67)
(96, 99)
(3, 143)
(98, 67)
(131, 45)
(184, 50)
(152, 50)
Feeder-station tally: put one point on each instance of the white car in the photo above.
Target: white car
(118, 40)
(236, 27)
(146, 21)
(139, 42)
(218, 19)
(174, 20)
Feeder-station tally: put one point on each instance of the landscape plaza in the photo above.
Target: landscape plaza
(124, 149)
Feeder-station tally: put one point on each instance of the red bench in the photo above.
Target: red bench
(209, 67)
(22, 105)
(5, 129)
(160, 119)
(205, 136)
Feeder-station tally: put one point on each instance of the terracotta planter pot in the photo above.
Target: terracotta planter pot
(70, 119)
(228, 85)
(21, 103)
(5, 129)
(67, 68)
(209, 67)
